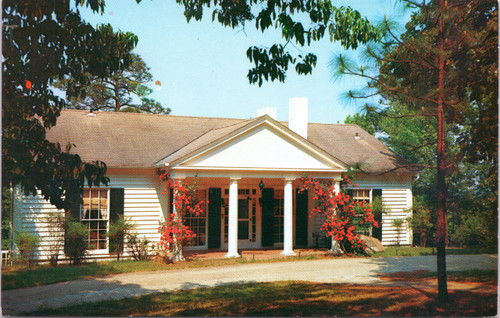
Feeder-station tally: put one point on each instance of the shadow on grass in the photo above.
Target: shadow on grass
(289, 299)
(17, 301)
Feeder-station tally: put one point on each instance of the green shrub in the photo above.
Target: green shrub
(118, 230)
(140, 250)
(27, 244)
(55, 234)
(475, 230)
(76, 244)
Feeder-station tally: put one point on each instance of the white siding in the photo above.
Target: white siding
(397, 200)
(142, 206)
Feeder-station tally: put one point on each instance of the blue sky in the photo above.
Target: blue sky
(202, 65)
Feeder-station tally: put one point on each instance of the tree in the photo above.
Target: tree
(116, 91)
(343, 218)
(427, 67)
(44, 41)
(300, 22)
(173, 232)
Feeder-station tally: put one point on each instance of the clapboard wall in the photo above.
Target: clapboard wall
(144, 206)
(397, 201)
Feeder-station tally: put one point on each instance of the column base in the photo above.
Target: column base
(288, 253)
(232, 255)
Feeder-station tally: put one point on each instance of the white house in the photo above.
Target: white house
(248, 170)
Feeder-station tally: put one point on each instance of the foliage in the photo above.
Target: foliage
(6, 214)
(173, 232)
(118, 231)
(76, 241)
(420, 221)
(141, 250)
(432, 67)
(344, 218)
(42, 41)
(117, 89)
(55, 228)
(301, 23)
(27, 244)
(398, 225)
(476, 229)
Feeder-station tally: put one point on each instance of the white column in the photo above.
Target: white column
(288, 218)
(336, 250)
(232, 243)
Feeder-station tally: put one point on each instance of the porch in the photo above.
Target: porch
(254, 254)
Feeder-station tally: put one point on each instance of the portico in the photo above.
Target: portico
(230, 163)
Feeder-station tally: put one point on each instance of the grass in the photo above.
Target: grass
(20, 277)
(425, 251)
(289, 299)
(472, 275)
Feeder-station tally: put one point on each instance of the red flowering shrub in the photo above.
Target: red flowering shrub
(343, 216)
(173, 232)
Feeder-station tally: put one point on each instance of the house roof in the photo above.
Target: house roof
(144, 140)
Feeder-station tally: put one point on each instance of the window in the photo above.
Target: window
(278, 216)
(94, 215)
(361, 195)
(197, 223)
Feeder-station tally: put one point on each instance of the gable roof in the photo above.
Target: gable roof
(144, 140)
(217, 137)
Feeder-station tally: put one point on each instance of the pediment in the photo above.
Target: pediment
(265, 146)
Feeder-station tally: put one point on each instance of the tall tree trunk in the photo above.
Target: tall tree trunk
(441, 168)
(117, 97)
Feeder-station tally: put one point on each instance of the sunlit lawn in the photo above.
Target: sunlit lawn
(290, 299)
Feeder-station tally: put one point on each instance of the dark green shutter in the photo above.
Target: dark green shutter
(376, 193)
(350, 193)
(267, 217)
(214, 215)
(73, 214)
(301, 218)
(377, 231)
(116, 209)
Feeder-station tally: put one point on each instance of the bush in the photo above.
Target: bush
(55, 230)
(117, 232)
(475, 231)
(76, 244)
(140, 250)
(27, 243)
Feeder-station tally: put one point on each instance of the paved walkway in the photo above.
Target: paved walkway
(341, 270)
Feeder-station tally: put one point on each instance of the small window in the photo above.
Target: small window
(198, 223)
(361, 195)
(94, 214)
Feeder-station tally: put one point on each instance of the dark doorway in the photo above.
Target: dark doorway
(301, 218)
(267, 217)
(214, 214)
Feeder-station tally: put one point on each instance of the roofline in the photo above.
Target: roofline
(252, 125)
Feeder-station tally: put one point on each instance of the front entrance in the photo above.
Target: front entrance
(248, 219)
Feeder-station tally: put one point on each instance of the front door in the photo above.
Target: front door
(248, 218)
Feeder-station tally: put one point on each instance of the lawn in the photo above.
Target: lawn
(20, 277)
(291, 299)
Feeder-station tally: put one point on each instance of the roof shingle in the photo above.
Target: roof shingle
(141, 140)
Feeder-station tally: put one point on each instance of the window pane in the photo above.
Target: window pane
(242, 230)
(94, 216)
(242, 209)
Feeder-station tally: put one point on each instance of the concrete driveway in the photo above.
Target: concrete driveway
(342, 270)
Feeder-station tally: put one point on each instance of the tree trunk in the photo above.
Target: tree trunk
(441, 169)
